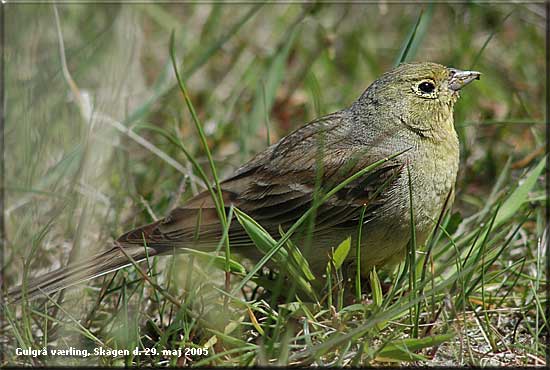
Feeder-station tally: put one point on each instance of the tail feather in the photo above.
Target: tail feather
(103, 263)
(160, 237)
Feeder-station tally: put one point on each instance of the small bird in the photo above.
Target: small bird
(408, 109)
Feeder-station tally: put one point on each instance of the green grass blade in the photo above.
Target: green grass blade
(220, 207)
(358, 256)
(520, 195)
(341, 252)
(217, 261)
(376, 288)
(403, 349)
(265, 242)
(415, 36)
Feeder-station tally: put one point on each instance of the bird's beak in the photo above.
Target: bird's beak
(458, 79)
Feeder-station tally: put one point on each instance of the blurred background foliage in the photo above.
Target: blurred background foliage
(76, 177)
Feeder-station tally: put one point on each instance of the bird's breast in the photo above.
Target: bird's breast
(434, 168)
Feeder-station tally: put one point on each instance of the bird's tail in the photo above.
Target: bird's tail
(98, 265)
(119, 256)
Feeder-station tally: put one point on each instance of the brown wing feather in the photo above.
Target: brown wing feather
(277, 187)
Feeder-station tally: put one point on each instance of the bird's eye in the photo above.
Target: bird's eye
(426, 87)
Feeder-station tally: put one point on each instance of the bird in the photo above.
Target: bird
(407, 110)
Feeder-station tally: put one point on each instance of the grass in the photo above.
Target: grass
(79, 173)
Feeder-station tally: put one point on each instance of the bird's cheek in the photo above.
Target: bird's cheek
(448, 101)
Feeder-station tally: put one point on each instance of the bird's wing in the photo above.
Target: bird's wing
(195, 223)
(278, 185)
(275, 198)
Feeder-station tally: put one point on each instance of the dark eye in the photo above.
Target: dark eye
(426, 87)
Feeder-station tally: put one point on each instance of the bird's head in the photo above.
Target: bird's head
(422, 95)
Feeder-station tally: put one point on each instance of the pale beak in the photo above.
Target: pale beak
(459, 79)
